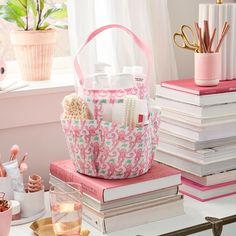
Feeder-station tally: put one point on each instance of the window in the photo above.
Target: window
(148, 19)
(6, 50)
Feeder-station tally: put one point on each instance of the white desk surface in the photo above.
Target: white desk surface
(195, 213)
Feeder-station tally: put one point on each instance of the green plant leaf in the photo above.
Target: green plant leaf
(49, 12)
(32, 7)
(60, 25)
(10, 15)
(44, 26)
(15, 6)
(60, 13)
(19, 3)
(23, 2)
(41, 5)
(1, 10)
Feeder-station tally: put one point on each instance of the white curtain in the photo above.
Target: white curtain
(149, 19)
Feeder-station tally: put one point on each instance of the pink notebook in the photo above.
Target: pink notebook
(158, 177)
(188, 86)
(206, 193)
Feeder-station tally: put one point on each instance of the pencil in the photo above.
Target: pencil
(211, 40)
(223, 34)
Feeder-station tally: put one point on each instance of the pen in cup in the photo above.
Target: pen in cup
(186, 38)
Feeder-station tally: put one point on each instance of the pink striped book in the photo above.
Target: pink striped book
(206, 193)
(188, 86)
(158, 177)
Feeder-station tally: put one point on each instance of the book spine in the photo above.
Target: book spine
(206, 199)
(202, 92)
(93, 219)
(144, 216)
(68, 174)
(192, 92)
(218, 90)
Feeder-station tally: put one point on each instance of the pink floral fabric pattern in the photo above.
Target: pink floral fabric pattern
(113, 95)
(109, 150)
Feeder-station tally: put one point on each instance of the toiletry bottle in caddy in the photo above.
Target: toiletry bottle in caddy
(100, 79)
(123, 80)
(136, 71)
(133, 109)
(138, 74)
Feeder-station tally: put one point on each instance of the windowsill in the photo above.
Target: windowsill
(62, 79)
(37, 104)
(62, 82)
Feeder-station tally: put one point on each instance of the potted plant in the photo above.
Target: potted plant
(34, 40)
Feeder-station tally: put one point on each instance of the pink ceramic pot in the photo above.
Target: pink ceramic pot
(34, 52)
(5, 222)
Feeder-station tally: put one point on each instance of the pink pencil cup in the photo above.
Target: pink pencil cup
(5, 222)
(207, 69)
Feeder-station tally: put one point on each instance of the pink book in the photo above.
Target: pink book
(188, 86)
(206, 193)
(158, 177)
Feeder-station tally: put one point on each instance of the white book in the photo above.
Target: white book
(222, 177)
(158, 177)
(205, 100)
(196, 121)
(194, 144)
(200, 128)
(102, 206)
(135, 206)
(206, 193)
(196, 167)
(199, 134)
(197, 111)
(205, 155)
(134, 218)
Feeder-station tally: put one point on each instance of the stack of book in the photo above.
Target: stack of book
(198, 136)
(111, 205)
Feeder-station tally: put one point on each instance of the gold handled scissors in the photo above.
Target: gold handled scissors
(186, 39)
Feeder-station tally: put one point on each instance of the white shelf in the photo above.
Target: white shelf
(195, 213)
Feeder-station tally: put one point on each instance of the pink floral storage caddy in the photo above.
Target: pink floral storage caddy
(107, 149)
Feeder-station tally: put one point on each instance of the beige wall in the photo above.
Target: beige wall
(184, 12)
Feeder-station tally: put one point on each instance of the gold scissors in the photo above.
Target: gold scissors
(186, 39)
